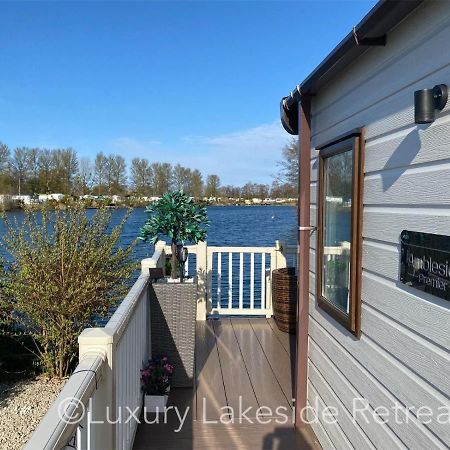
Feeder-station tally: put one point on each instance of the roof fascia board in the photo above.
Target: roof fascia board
(381, 19)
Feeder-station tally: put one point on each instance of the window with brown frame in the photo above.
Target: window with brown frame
(340, 229)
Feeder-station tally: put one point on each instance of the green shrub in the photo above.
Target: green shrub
(65, 270)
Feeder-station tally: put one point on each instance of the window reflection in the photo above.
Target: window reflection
(337, 229)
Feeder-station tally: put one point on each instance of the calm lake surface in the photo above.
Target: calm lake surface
(230, 226)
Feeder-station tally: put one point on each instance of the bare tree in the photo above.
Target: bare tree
(5, 179)
(84, 178)
(33, 162)
(282, 190)
(162, 173)
(115, 174)
(181, 179)
(230, 191)
(66, 167)
(289, 168)
(100, 169)
(262, 191)
(118, 173)
(19, 167)
(196, 188)
(141, 176)
(248, 190)
(212, 186)
(45, 167)
(4, 157)
(255, 190)
(109, 170)
(33, 170)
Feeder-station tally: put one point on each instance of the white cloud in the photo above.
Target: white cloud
(237, 157)
(246, 155)
(260, 136)
(134, 146)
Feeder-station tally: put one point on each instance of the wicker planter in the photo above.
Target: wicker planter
(284, 299)
(173, 309)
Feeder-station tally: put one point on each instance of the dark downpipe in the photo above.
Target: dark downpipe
(304, 125)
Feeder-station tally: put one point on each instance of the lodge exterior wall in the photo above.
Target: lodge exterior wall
(402, 356)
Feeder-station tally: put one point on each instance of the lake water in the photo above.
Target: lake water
(252, 226)
(230, 226)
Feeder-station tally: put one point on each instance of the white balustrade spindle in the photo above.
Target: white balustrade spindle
(219, 279)
(230, 280)
(252, 281)
(241, 280)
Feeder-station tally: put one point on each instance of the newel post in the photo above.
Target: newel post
(277, 261)
(104, 409)
(157, 260)
(281, 262)
(202, 280)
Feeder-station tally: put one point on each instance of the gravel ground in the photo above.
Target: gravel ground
(22, 406)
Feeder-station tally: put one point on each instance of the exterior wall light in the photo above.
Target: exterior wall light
(427, 101)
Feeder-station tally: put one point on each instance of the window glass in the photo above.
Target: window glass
(337, 229)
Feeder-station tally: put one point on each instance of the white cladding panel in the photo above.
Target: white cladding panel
(403, 356)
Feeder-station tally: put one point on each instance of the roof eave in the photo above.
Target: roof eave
(381, 19)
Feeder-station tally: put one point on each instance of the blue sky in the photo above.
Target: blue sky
(196, 83)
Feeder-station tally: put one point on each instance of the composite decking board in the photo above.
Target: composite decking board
(279, 360)
(253, 437)
(198, 436)
(265, 384)
(238, 387)
(286, 339)
(219, 362)
(210, 390)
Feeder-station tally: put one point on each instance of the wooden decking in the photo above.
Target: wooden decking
(243, 393)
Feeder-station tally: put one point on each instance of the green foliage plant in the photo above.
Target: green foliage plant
(177, 216)
(65, 270)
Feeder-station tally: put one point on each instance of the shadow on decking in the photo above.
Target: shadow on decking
(242, 366)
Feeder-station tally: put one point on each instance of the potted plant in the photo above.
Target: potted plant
(155, 377)
(173, 305)
(176, 216)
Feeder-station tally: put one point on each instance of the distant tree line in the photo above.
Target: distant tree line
(27, 170)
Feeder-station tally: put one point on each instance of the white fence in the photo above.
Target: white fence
(105, 388)
(240, 280)
(231, 280)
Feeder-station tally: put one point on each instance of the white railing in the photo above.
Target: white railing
(77, 399)
(240, 280)
(231, 280)
(104, 391)
(131, 331)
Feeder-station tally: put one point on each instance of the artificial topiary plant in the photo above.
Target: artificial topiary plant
(177, 216)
